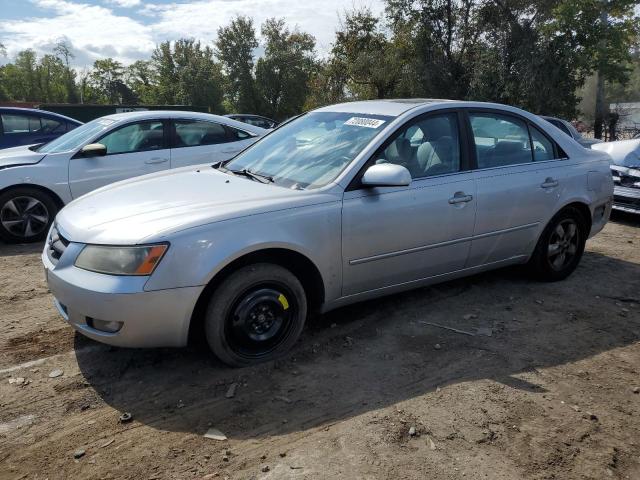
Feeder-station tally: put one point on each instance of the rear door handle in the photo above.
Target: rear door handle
(156, 160)
(230, 150)
(549, 183)
(460, 197)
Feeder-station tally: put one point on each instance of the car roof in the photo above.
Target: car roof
(40, 113)
(389, 107)
(399, 106)
(161, 114)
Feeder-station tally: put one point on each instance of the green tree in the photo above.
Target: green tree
(107, 82)
(3, 91)
(369, 61)
(51, 75)
(141, 78)
(282, 74)
(522, 60)
(21, 77)
(63, 51)
(602, 32)
(187, 73)
(437, 41)
(327, 85)
(235, 48)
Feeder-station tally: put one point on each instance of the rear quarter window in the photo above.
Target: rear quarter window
(16, 124)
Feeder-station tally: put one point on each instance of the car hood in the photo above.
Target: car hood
(625, 153)
(151, 207)
(12, 157)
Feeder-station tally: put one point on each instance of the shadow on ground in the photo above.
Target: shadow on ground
(625, 218)
(12, 250)
(381, 352)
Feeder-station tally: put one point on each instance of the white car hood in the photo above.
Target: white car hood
(12, 157)
(625, 153)
(151, 207)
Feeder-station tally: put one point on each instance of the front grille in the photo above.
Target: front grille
(56, 245)
(626, 201)
(624, 179)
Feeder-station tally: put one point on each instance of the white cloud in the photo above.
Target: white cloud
(202, 18)
(93, 31)
(125, 3)
(96, 31)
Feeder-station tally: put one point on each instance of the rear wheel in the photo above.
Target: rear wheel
(26, 214)
(560, 246)
(256, 315)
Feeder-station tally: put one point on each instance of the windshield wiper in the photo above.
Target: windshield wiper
(219, 165)
(253, 175)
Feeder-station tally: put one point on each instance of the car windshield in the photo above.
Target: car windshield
(312, 150)
(77, 137)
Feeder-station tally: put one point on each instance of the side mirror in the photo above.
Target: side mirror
(94, 150)
(386, 175)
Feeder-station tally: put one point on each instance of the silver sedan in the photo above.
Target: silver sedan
(345, 203)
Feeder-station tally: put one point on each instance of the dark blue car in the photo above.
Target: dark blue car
(25, 126)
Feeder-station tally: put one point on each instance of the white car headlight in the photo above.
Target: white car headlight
(113, 260)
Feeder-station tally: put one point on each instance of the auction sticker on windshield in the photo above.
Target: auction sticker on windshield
(364, 122)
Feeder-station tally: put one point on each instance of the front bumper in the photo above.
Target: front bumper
(157, 318)
(626, 199)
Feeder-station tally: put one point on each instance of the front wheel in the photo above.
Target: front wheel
(256, 315)
(560, 246)
(25, 214)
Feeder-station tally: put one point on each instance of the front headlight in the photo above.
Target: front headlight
(140, 260)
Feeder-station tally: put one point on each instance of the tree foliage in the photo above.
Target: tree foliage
(532, 54)
(235, 48)
(282, 74)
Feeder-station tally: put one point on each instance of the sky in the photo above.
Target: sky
(128, 30)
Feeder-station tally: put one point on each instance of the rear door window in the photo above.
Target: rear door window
(195, 133)
(500, 140)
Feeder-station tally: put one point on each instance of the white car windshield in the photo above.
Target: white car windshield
(77, 137)
(312, 150)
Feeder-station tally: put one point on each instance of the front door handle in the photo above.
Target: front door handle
(549, 183)
(156, 160)
(230, 150)
(460, 197)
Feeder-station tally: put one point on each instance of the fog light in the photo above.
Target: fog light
(104, 326)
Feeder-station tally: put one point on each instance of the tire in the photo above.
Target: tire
(256, 315)
(560, 247)
(26, 214)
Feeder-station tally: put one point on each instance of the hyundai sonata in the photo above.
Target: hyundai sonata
(345, 203)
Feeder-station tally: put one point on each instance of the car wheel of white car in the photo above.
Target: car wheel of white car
(560, 246)
(25, 214)
(256, 315)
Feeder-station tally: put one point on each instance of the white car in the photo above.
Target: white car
(37, 180)
(626, 173)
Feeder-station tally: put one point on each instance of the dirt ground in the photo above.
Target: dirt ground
(542, 389)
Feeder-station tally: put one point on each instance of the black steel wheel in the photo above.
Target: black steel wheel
(560, 246)
(256, 315)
